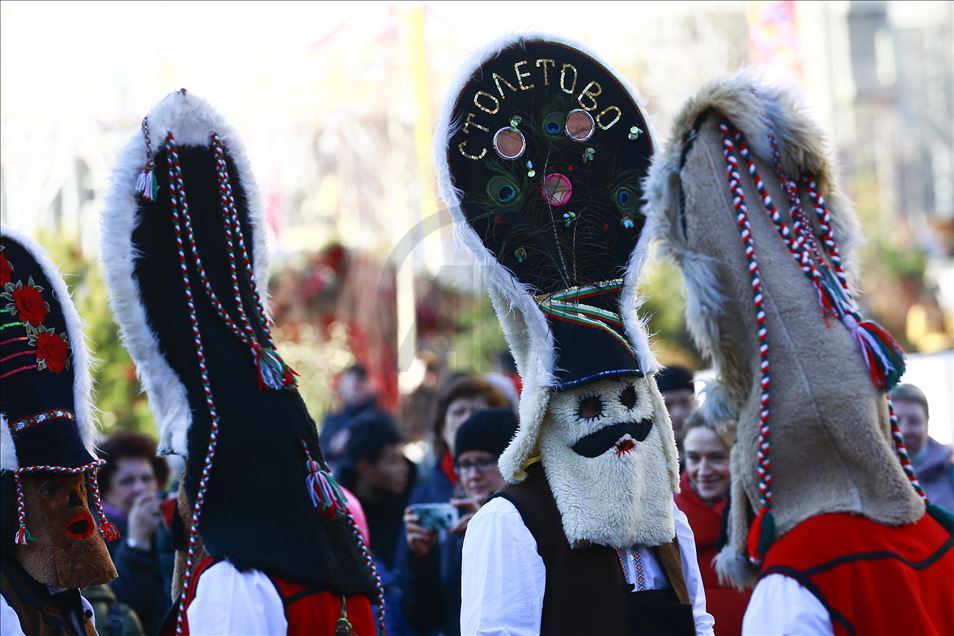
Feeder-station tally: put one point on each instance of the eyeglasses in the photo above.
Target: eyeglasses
(480, 467)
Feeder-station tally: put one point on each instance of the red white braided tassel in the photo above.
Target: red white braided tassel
(22, 536)
(762, 532)
(106, 527)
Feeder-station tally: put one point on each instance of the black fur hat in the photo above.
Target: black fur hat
(546, 149)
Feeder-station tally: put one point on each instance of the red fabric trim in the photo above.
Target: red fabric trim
(881, 579)
(310, 611)
(307, 610)
(168, 508)
(447, 467)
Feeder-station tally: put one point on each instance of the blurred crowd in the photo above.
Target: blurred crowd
(455, 425)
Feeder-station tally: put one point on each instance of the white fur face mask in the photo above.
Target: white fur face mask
(610, 458)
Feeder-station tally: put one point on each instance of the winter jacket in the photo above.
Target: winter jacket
(935, 471)
(432, 587)
(145, 576)
(112, 617)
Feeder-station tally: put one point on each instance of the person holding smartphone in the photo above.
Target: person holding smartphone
(132, 481)
(435, 550)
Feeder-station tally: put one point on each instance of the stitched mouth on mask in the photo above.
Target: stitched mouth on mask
(80, 527)
(622, 436)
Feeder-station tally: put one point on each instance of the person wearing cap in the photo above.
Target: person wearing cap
(432, 591)
(543, 150)
(268, 545)
(679, 394)
(50, 543)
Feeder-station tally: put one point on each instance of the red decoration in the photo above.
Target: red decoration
(30, 305)
(6, 270)
(52, 349)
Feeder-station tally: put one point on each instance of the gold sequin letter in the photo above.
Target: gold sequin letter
(563, 79)
(460, 147)
(591, 92)
(608, 109)
(543, 64)
(521, 75)
(487, 96)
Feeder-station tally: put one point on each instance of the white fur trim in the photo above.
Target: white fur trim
(83, 380)
(191, 120)
(524, 325)
(8, 450)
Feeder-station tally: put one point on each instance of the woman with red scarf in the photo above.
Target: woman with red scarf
(703, 495)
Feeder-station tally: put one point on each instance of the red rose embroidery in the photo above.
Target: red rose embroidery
(53, 350)
(6, 271)
(30, 305)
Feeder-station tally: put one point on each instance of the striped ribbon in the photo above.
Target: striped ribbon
(566, 306)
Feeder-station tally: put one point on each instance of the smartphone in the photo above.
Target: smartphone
(436, 516)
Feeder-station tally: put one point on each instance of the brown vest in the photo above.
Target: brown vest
(41, 613)
(586, 592)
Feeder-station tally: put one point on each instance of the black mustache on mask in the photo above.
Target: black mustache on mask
(598, 442)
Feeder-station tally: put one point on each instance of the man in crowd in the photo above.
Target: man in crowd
(433, 570)
(357, 397)
(378, 474)
(679, 394)
(932, 460)
(131, 480)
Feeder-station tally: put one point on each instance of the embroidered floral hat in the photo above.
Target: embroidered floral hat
(46, 421)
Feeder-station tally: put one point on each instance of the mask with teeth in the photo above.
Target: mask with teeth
(610, 458)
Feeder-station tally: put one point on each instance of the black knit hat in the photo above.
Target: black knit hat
(489, 431)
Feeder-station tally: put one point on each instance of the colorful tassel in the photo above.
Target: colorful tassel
(326, 495)
(761, 535)
(23, 536)
(109, 531)
(146, 183)
(273, 373)
(882, 354)
(147, 186)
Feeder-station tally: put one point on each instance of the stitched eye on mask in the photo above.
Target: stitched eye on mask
(590, 408)
(628, 397)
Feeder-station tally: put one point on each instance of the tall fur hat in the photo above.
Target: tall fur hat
(46, 414)
(745, 200)
(541, 150)
(185, 260)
